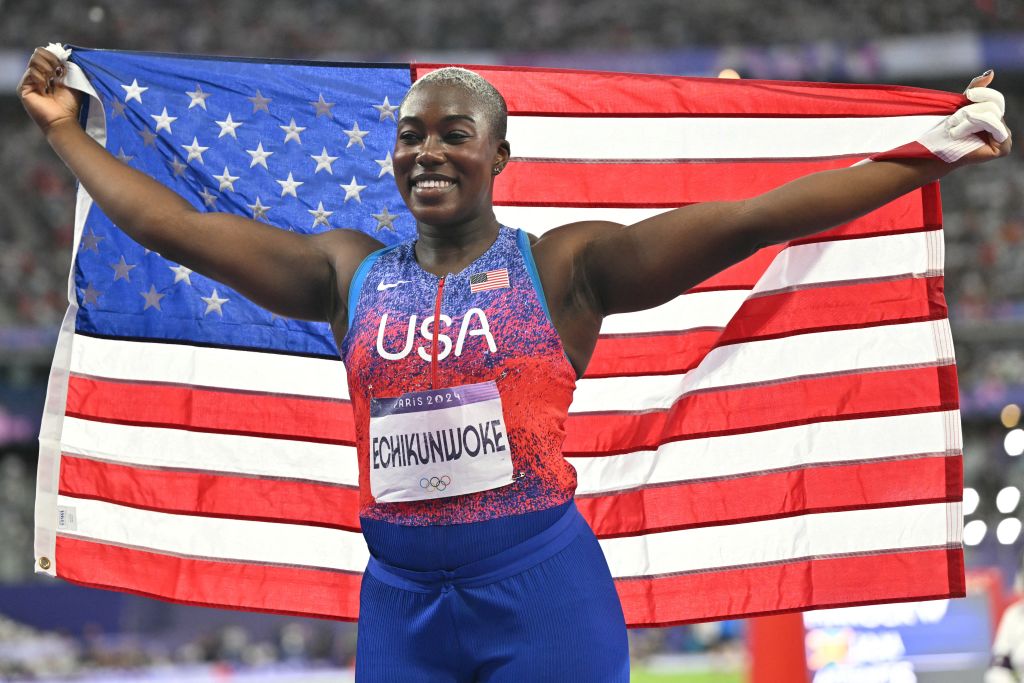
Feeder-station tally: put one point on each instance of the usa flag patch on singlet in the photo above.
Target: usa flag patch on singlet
(492, 279)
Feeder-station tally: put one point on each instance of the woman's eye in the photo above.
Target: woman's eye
(408, 136)
(456, 136)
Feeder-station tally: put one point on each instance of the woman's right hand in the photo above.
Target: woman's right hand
(46, 99)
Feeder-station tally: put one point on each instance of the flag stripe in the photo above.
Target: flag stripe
(217, 538)
(832, 442)
(770, 589)
(666, 140)
(915, 210)
(808, 310)
(710, 547)
(179, 449)
(655, 508)
(572, 92)
(211, 494)
(780, 540)
(282, 590)
(867, 394)
(926, 479)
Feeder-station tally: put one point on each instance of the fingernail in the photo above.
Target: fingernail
(987, 73)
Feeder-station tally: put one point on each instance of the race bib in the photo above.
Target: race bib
(438, 443)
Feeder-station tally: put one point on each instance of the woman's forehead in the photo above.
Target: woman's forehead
(440, 99)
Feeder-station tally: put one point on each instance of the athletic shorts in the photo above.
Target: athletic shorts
(543, 610)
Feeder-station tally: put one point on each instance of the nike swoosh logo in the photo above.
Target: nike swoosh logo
(382, 287)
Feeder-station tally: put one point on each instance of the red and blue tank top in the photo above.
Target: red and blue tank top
(415, 338)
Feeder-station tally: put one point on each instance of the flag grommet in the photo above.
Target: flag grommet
(44, 563)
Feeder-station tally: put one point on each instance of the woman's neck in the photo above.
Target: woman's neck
(449, 249)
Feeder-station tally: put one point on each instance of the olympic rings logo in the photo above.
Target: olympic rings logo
(435, 483)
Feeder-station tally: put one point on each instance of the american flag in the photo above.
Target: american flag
(783, 436)
(492, 279)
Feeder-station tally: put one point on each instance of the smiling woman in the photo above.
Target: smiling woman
(462, 349)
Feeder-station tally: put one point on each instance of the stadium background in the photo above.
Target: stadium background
(53, 631)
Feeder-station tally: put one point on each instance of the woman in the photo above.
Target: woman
(462, 350)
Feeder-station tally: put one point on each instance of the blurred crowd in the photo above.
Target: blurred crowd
(277, 28)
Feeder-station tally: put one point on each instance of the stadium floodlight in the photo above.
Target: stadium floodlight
(1007, 499)
(974, 532)
(971, 500)
(1008, 531)
(1014, 442)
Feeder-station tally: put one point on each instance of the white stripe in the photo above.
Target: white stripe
(686, 312)
(819, 443)
(778, 540)
(709, 138)
(217, 538)
(817, 353)
(209, 367)
(855, 259)
(202, 451)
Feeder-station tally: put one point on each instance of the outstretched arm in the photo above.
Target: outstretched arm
(655, 260)
(293, 275)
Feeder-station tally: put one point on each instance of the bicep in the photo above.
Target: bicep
(644, 265)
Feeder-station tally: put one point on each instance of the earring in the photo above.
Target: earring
(497, 170)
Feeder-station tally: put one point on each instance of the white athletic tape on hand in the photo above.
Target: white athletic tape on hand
(987, 95)
(59, 51)
(978, 117)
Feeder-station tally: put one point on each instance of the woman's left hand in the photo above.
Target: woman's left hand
(984, 118)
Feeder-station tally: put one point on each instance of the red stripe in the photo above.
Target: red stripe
(211, 494)
(254, 587)
(817, 309)
(774, 495)
(785, 587)
(209, 410)
(754, 408)
(911, 150)
(572, 92)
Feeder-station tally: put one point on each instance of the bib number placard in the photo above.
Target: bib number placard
(438, 443)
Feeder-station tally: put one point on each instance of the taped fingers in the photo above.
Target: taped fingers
(977, 118)
(987, 95)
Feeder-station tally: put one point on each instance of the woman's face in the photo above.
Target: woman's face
(445, 155)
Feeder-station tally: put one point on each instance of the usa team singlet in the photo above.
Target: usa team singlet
(481, 568)
(459, 386)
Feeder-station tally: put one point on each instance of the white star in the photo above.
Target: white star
(148, 137)
(152, 298)
(355, 136)
(258, 156)
(181, 273)
(258, 210)
(163, 121)
(121, 270)
(352, 190)
(289, 186)
(214, 303)
(209, 198)
(385, 166)
(259, 102)
(387, 110)
(385, 220)
(91, 241)
(177, 167)
(323, 162)
(90, 295)
(227, 127)
(320, 216)
(133, 91)
(198, 97)
(118, 107)
(323, 108)
(292, 132)
(122, 157)
(227, 181)
(195, 150)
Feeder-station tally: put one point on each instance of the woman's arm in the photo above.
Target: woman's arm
(649, 263)
(291, 274)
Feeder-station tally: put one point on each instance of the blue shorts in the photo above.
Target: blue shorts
(543, 610)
